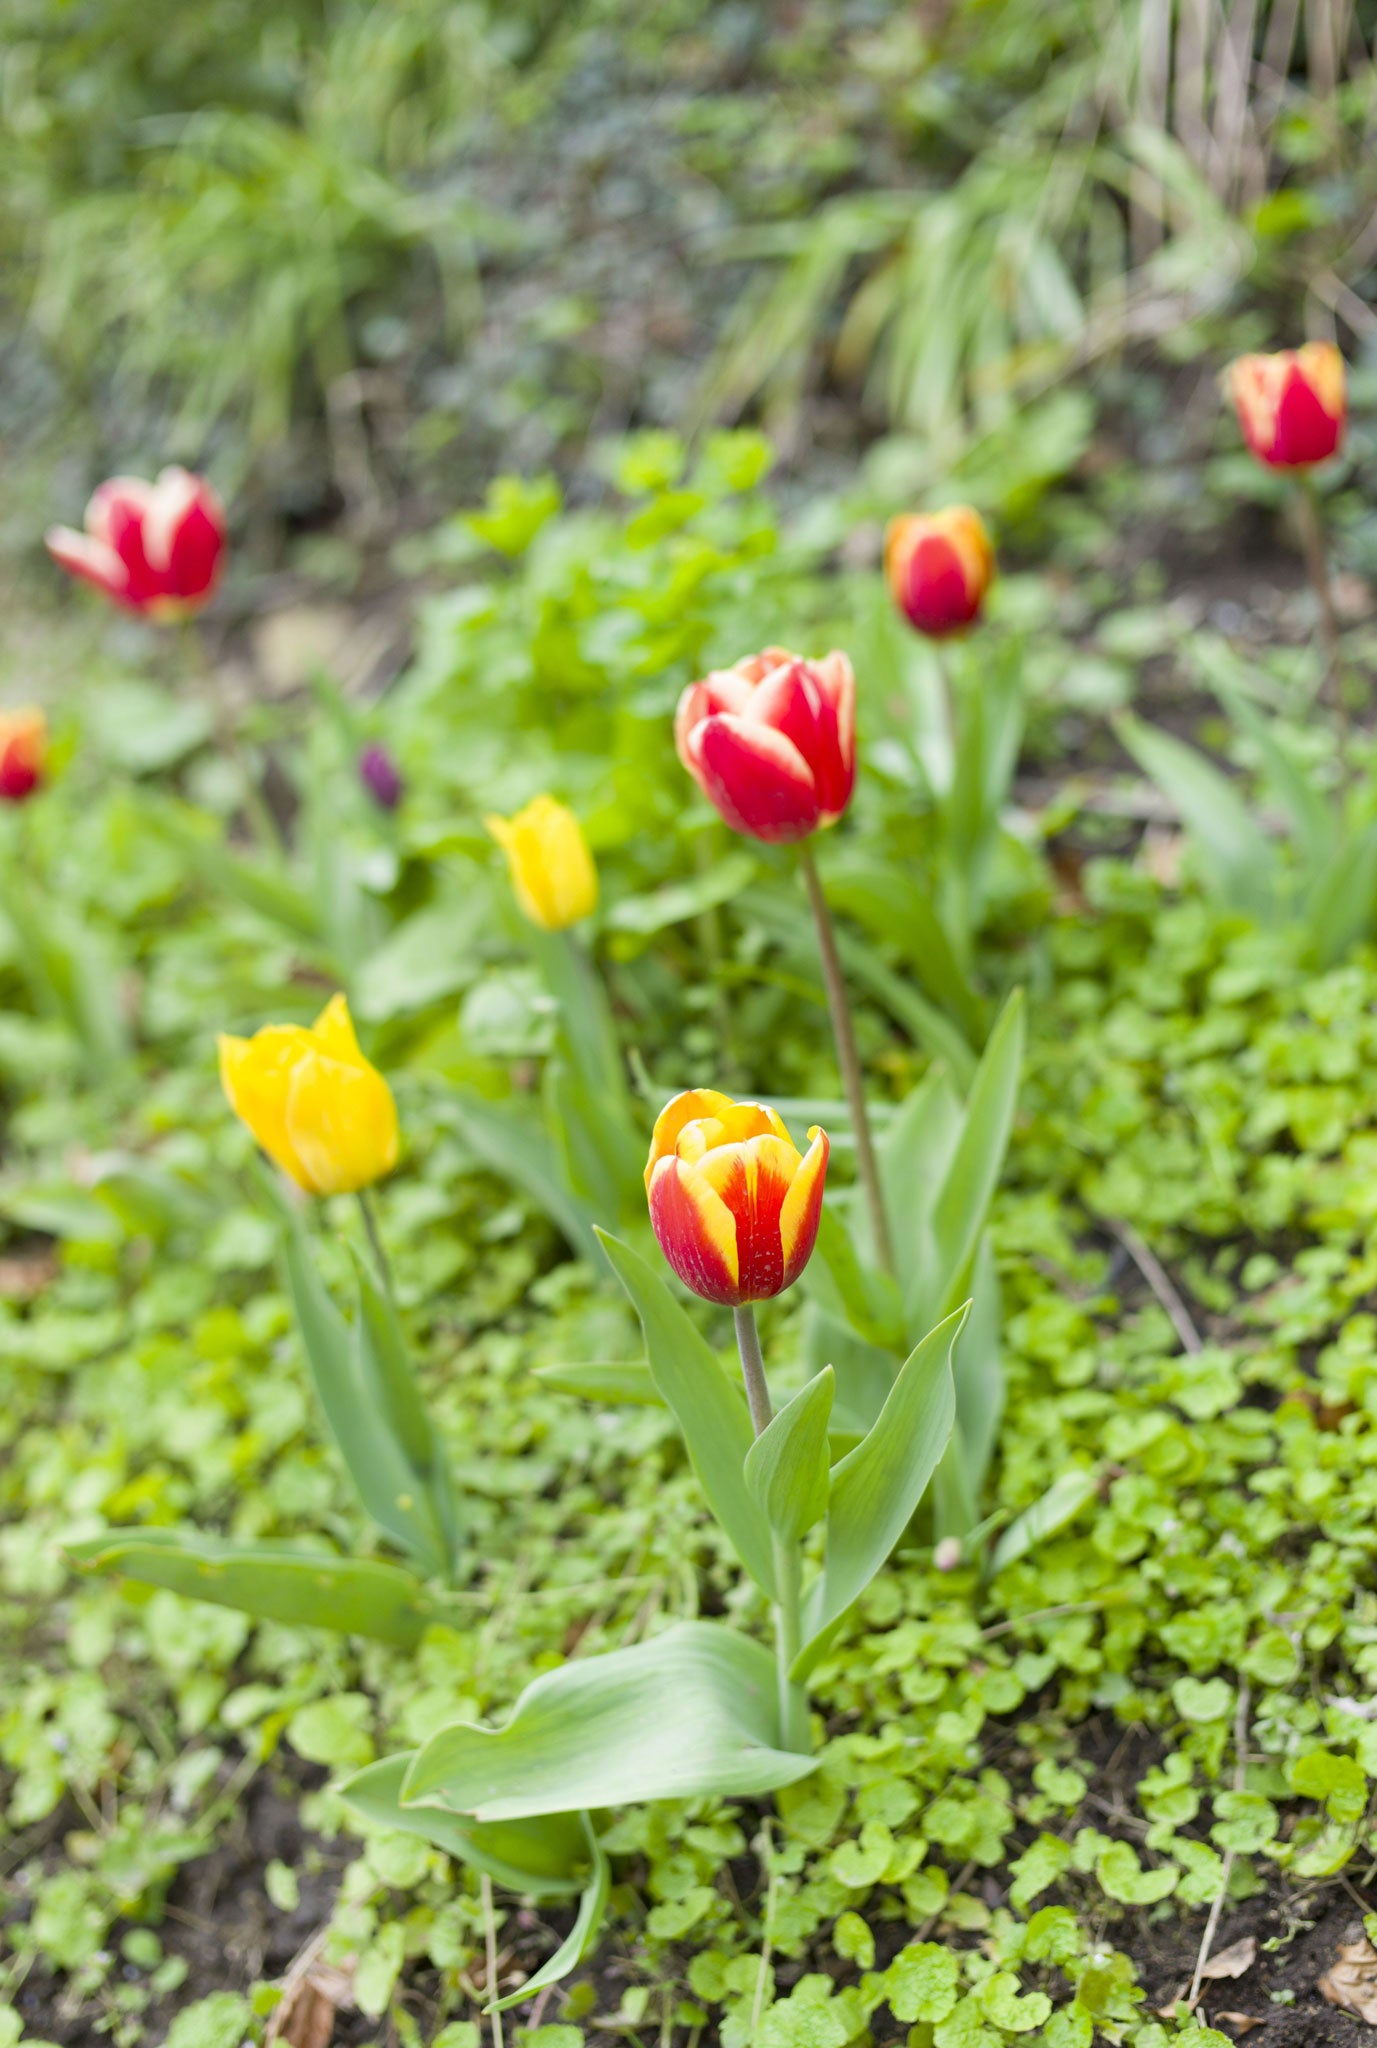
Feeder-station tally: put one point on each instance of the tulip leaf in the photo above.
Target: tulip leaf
(1061, 1503)
(914, 1156)
(710, 1411)
(350, 1376)
(544, 1855)
(835, 1278)
(614, 1380)
(1236, 851)
(864, 1372)
(879, 895)
(973, 1175)
(519, 1151)
(978, 1368)
(385, 1368)
(787, 1465)
(273, 1581)
(1341, 902)
(876, 1488)
(693, 1713)
(581, 1936)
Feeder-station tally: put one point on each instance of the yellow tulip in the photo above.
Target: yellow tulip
(313, 1102)
(552, 871)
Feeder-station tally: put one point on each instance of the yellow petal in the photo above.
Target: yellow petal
(256, 1074)
(798, 1218)
(691, 1107)
(552, 873)
(334, 1033)
(341, 1123)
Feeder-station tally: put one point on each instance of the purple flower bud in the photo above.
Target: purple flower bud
(379, 776)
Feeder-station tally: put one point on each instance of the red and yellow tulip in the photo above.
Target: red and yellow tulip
(771, 742)
(1292, 406)
(733, 1204)
(152, 548)
(939, 566)
(314, 1103)
(23, 754)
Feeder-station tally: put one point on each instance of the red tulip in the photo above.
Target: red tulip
(153, 548)
(771, 742)
(734, 1206)
(939, 566)
(23, 753)
(1292, 406)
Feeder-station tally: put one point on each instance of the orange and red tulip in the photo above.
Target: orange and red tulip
(1292, 406)
(939, 565)
(771, 742)
(733, 1204)
(23, 754)
(152, 548)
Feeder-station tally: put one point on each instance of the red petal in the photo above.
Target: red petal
(757, 779)
(1304, 431)
(695, 1232)
(933, 589)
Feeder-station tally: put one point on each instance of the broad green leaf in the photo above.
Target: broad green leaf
(867, 1300)
(787, 1465)
(1238, 858)
(955, 1505)
(274, 1581)
(586, 1023)
(1061, 1503)
(864, 1372)
(615, 1380)
(515, 1147)
(1342, 905)
(692, 1713)
(880, 896)
(385, 1368)
(914, 1155)
(433, 954)
(978, 1368)
(876, 1488)
(709, 1410)
(545, 1855)
(971, 1179)
(602, 1159)
(1313, 813)
(581, 1936)
(344, 1372)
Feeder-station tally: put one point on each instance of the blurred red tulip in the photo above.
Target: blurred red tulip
(771, 742)
(23, 753)
(1292, 406)
(153, 548)
(939, 565)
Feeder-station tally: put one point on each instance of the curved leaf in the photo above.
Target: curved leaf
(544, 1855)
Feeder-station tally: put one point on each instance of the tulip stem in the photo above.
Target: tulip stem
(380, 1259)
(848, 1059)
(1310, 517)
(752, 1367)
(794, 1731)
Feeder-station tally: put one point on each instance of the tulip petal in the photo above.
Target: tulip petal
(690, 1107)
(756, 778)
(255, 1074)
(183, 535)
(802, 1207)
(753, 1179)
(341, 1123)
(334, 1031)
(794, 701)
(696, 1231)
(94, 560)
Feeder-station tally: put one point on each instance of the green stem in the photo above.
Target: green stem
(752, 1367)
(794, 1729)
(1310, 516)
(848, 1059)
(380, 1259)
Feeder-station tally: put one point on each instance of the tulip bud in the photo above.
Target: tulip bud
(734, 1207)
(552, 871)
(152, 548)
(23, 753)
(379, 775)
(939, 565)
(1292, 406)
(771, 742)
(314, 1103)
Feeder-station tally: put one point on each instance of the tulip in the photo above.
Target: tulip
(939, 565)
(379, 775)
(313, 1101)
(734, 1206)
(771, 742)
(152, 548)
(23, 753)
(1292, 406)
(552, 871)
